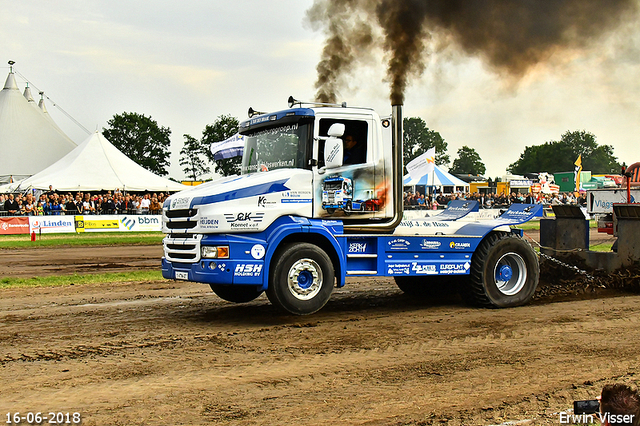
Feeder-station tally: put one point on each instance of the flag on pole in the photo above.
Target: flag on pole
(232, 147)
(577, 171)
(422, 164)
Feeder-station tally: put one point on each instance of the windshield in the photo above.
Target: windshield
(333, 186)
(281, 147)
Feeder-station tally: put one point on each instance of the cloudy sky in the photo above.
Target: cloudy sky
(186, 63)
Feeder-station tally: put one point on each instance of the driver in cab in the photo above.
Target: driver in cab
(353, 151)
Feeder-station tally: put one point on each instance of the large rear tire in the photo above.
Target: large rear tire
(504, 272)
(302, 279)
(236, 293)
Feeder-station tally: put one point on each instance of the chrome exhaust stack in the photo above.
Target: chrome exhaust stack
(397, 169)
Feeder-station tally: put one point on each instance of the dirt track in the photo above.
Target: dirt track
(173, 353)
(47, 261)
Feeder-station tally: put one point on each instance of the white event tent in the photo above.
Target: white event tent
(95, 165)
(440, 179)
(30, 141)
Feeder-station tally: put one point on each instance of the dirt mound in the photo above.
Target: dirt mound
(560, 280)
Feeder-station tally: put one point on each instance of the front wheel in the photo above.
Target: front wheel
(302, 279)
(504, 272)
(236, 293)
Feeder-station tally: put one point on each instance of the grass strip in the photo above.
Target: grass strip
(601, 247)
(81, 239)
(76, 279)
(535, 224)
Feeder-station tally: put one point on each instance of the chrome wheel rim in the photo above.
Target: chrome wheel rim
(510, 274)
(305, 279)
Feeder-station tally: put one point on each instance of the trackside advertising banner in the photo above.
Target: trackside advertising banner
(51, 224)
(14, 225)
(118, 223)
(72, 224)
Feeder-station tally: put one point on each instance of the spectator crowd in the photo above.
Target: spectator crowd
(80, 203)
(84, 203)
(421, 201)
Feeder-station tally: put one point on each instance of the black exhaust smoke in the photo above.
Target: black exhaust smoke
(509, 35)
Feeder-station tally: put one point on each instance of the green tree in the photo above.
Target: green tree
(468, 162)
(223, 128)
(560, 156)
(418, 138)
(140, 138)
(192, 158)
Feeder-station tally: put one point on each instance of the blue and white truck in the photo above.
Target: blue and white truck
(266, 230)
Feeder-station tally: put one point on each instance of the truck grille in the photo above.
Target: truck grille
(181, 213)
(182, 248)
(332, 198)
(180, 220)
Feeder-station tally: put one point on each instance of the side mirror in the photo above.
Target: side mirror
(333, 151)
(336, 130)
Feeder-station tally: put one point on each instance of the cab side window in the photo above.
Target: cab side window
(354, 140)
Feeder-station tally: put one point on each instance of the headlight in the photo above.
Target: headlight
(215, 252)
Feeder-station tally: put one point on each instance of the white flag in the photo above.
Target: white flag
(422, 165)
(232, 147)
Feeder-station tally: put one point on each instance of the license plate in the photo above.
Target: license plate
(182, 275)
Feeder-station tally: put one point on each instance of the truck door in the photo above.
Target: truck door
(362, 170)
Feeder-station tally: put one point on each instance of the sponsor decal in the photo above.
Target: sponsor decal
(357, 247)
(112, 224)
(399, 269)
(243, 217)
(209, 223)
(258, 251)
(180, 202)
(295, 200)
(399, 244)
(247, 270)
(430, 245)
(265, 203)
(244, 220)
(14, 225)
(454, 268)
(524, 212)
(423, 269)
(459, 245)
(603, 206)
(520, 183)
(461, 208)
(147, 223)
(423, 224)
(289, 197)
(128, 223)
(59, 224)
(107, 223)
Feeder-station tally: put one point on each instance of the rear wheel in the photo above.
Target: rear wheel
(504, 272)
(236, 293)
(302, 279)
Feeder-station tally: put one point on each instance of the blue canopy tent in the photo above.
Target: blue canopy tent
(439, 180)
